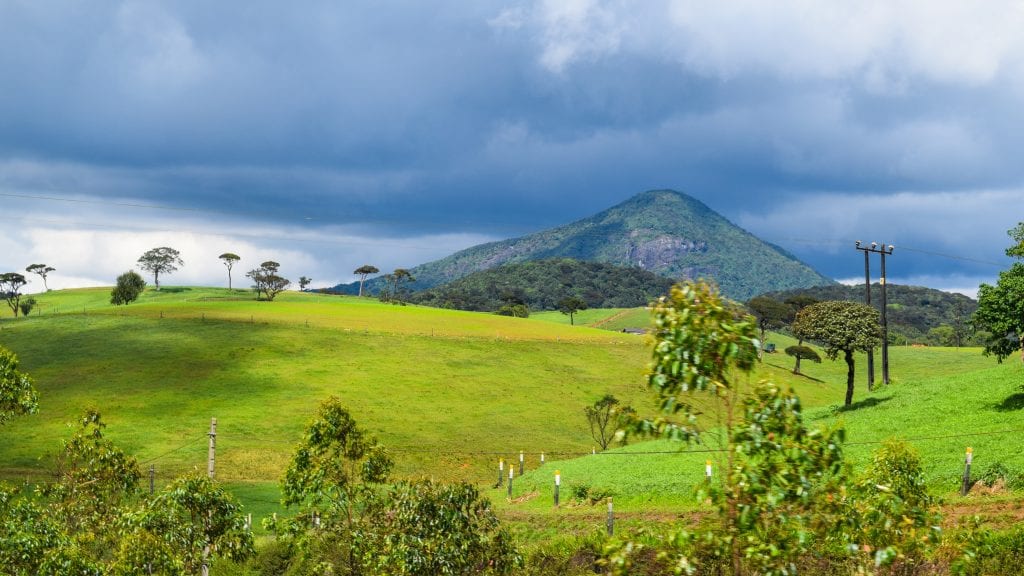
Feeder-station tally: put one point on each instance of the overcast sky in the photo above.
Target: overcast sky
(325, 135)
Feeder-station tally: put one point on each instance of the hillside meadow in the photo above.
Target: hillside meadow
(448, 392)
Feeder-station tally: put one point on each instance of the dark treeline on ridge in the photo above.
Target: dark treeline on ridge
(541, 284)
(915, 314)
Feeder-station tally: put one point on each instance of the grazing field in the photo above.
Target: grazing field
(448, 392)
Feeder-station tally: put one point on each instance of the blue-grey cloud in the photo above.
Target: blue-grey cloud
(479, 120)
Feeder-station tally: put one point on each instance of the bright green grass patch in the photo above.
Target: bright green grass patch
(586, 317)
(960, 404)
(614, 319)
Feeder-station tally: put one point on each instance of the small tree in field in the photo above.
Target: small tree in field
(159, 261)
(570, 305)
(11, 284)
(1000, 310)
(304, 281)
(802, 353)
(229, 259)
(605, 417)
(127, 289)
(267, 283)
(42, 270)
(364, 271)
(845, 327)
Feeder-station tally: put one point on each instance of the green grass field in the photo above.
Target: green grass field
(447, 391)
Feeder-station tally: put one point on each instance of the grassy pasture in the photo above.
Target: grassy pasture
(446, 391)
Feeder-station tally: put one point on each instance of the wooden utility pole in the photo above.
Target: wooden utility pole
(867, 300)
(213, 448)
(883, 251)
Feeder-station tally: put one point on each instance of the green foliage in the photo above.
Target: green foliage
(844, 327)
(180, 524)
(541, 284)
(17, 393)
(157, 261)
(396, 286)
(304, 281)
(127, 289)
(11, 284)
(701, 344)
(662, 231)
(27, 305)
(1001, 313)
(334, 460)
(986, 552)
(425, 528)
(89, 520)
(267, 283)
(605, 417)
(348, 526)
(514, 310)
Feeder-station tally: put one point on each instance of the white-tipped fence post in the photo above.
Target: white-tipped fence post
(213, 448)
(707, 470)
(967, 472)
(501, 471)
(511, 473)
(558, 482)
(521, 456)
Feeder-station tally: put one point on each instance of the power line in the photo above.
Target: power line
(172, 451)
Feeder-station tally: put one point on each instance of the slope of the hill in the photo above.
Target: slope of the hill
(542, 284)
(663, 231)
(911, 310)
(943, 401)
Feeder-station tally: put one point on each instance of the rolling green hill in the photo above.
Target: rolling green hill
(662, 231)
(541, 284)
(447, 391)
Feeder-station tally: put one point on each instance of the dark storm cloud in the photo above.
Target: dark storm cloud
(400, 119)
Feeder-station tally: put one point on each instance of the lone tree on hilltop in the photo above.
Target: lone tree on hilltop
(267, 282)
(840, 327)
(42, 270)
(364, 271)
(11, 284)
(229, 259)
(1001, 307)
(304, 281)
(570, 305)
(129, 286)
(159, 261)
(770, 314)
(17, 394)
(395, 286)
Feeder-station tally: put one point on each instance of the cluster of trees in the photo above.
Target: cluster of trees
(350, 518)
(12, 283)
(543, 284)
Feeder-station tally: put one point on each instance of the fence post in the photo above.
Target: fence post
(511, 472)
(213, 448)
(501, 472)
(558, 482)
(707, 470)
(967, 472)
(611, 517)
(520, 462)
(152, 473)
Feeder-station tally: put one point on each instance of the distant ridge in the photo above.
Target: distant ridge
(661, 231)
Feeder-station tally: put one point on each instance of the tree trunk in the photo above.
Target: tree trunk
(361, 280)
(229, 279)
(156, 280)
(849, 377)
(796, 370)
